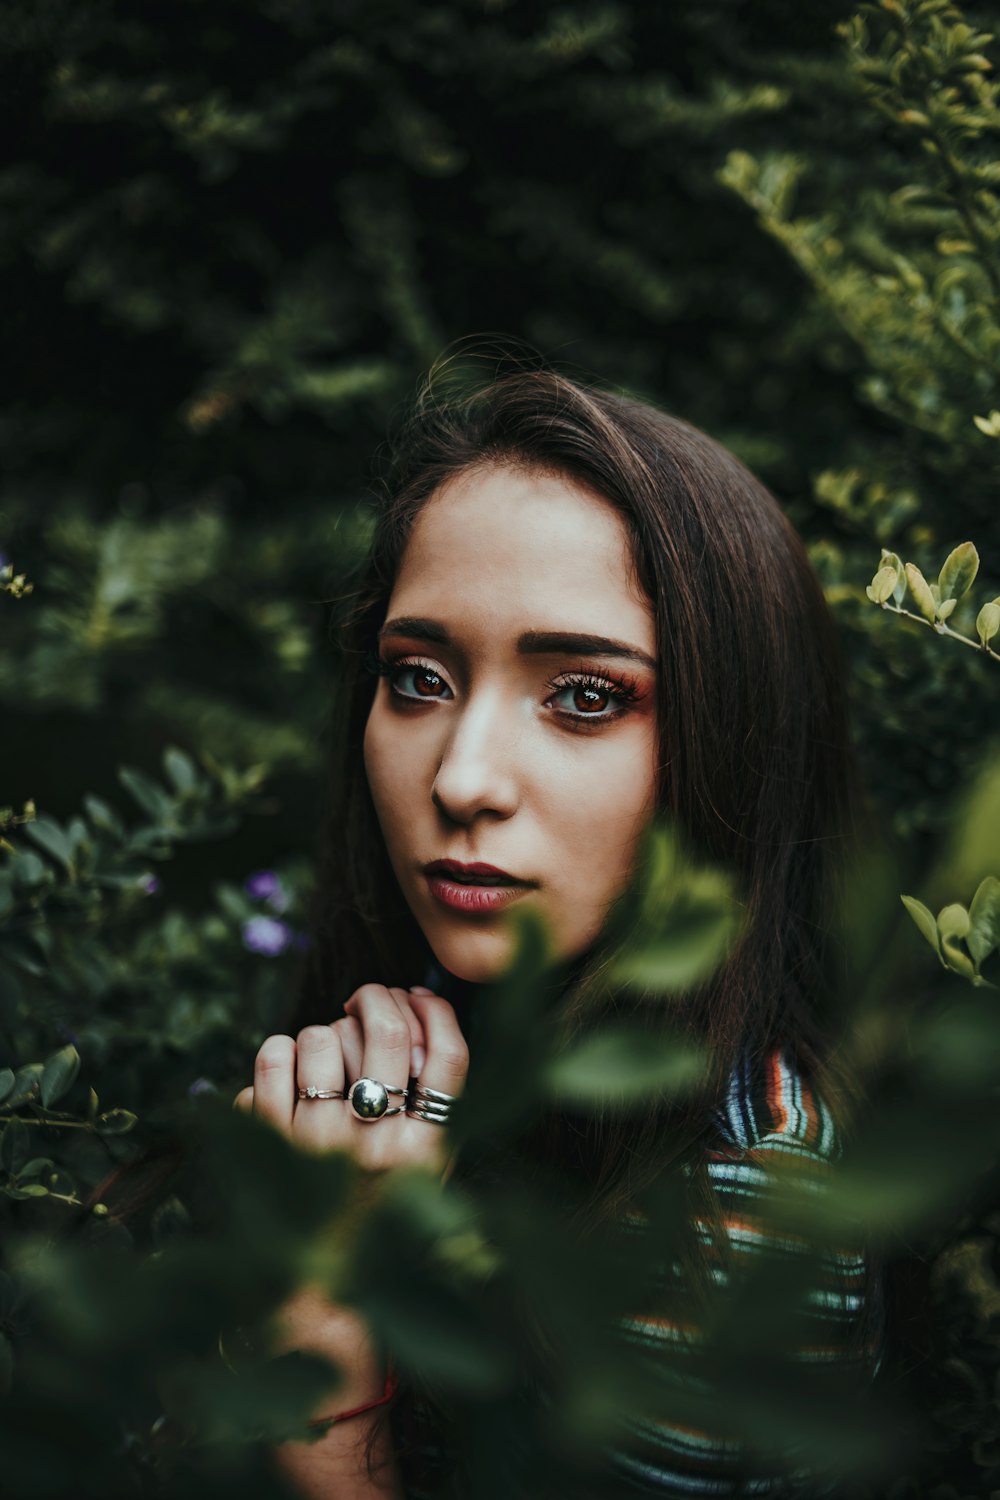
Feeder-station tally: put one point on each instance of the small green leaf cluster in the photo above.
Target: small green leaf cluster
(13, 583)
(935, 602)
(963, 937)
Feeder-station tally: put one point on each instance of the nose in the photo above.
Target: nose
(477, 771)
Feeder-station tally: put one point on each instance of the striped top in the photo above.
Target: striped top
(772, 1125)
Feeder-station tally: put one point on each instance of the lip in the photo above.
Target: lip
(455, 886)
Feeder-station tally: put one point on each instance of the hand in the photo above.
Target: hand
(387, 1034)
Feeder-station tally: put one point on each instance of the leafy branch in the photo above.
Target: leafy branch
(963, 938)
(936, 601)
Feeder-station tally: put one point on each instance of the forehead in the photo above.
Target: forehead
(502, 547)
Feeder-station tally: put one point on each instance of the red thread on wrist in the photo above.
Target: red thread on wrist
(391, 1386)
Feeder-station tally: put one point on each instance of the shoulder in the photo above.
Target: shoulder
(770, 1107)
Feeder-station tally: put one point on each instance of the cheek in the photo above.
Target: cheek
(378, 766)
(597, 815)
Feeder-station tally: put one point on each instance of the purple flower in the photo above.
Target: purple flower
(264, 885)
(149, 885)
(202, 1086)
(266, 935)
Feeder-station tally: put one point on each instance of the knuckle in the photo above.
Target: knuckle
(275, 1052)
(390, 1031)
(454, 1058)
(370, 994)
(312, 1038)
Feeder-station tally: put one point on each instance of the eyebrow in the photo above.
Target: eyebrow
(530, 643)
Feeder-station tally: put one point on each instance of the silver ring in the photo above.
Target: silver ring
(433, 1096)
(429, 1105)
(314, 1093)
(416, 1113)
(369, 1099)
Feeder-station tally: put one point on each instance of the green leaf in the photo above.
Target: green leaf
(6, 1083)
(988, 622)
(14, 1146)
(115, 1121)
(882, 585)
(920, 589)
(27, 1190)
(26, 1082)
(59, 1074)
(150, 796)
(180, 768)
(953, 920)
(48, 835)
(959, 571)
(924, 919)
(29, 871)
(624, 1064)
(984, 919)
(103, 816)
(946, 608)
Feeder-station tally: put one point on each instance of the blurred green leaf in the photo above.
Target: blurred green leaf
(59, 1074)
(984, 919)
(147, 793)
(48, 835)
(180, 768)
(15, 1143)
(625, 1065)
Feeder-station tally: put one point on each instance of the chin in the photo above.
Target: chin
(475, 957)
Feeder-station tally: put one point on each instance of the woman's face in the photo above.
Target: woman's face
(514, 724)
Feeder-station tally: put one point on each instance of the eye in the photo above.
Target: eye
(595, 698)
(416, 681)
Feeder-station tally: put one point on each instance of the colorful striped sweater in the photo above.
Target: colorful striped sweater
(771, 1125)
(771, 1122)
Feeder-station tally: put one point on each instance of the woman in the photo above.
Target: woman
(580, 612)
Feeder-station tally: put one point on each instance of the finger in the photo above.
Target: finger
(352, 1042)
(418, 1051)
(386, 1036)
(447, 1052)
(274, 1081)
(244, 1099)
(319, 1065)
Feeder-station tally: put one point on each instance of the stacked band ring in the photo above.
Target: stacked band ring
(428, 1104)
(369, 1099)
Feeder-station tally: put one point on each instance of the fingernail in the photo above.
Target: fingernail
(419, 1057)
(420, 989)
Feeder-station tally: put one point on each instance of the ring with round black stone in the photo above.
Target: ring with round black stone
(369, 1099)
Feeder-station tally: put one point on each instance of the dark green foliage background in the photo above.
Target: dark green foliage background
(235, 235)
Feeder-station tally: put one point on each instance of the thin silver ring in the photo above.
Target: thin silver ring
(314, 1093)
(431, 1107)
(419, 1114)
(434, 1096)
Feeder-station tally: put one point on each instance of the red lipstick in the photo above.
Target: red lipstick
(474, 889)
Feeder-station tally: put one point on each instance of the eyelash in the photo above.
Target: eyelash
(622, 690)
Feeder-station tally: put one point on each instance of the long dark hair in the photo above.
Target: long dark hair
(755, 764)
